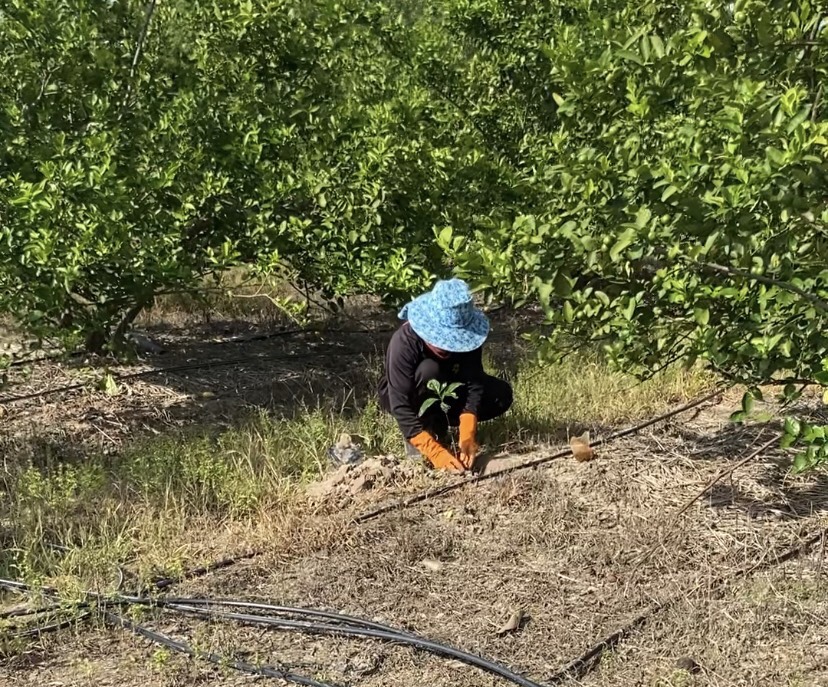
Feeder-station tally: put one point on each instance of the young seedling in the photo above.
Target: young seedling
(443, 394)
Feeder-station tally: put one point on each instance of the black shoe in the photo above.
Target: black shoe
(411, 452)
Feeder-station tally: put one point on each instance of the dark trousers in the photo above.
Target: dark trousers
(496, 400)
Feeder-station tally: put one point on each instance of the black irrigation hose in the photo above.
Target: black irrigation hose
(298, 332)
(47, 392)
(53, 627)
(200, 571)
(151, 635)
(54, 608)
(160, 584)
(375, 630)
(199, 366)
(362, 628)
(439, 491)
(344, 625)
(585, 663)
(165, 583)
(22, 362)
(357, 631)
(166, 370)
(22, 587)
(264, 336)
(270, 608)
(25, 612)
(216, 659)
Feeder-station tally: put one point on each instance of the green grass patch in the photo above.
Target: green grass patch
(581, 392)
(170, 502)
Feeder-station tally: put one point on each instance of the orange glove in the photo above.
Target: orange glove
(468, 439)
(435, 453)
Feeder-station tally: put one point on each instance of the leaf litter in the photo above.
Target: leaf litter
(539, 541)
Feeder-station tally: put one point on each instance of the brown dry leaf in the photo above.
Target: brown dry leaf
(513, 624)
(581, 449)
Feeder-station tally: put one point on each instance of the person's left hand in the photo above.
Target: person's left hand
(468, 440)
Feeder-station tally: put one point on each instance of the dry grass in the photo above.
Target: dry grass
(215, 462)
(164, 503)
(553, 402)
(237, 294)
(561, 544)
(107, 507)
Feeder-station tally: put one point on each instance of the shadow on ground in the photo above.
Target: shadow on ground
(764, 487)
(205, 382)
(204, 387)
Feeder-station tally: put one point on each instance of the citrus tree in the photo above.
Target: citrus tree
(684, 174)
(150, 144)
(652, 173)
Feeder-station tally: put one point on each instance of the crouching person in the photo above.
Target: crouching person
(441, 339)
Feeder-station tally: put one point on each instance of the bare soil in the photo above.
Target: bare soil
(581, 549)
(211, 374)
(213, 383)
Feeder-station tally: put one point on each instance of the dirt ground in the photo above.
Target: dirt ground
(208, 375)
(581, 549)
(214, 381)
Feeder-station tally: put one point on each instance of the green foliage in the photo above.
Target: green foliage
(443, 392)
(272, 134)
(683, 209)
(682, 215)
(652, 174)
(813, 441)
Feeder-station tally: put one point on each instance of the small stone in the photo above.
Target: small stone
(143, 344)
(348, 455)
(431, 565)
(688, 664)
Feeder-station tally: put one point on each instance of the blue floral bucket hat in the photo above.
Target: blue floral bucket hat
(446, 317)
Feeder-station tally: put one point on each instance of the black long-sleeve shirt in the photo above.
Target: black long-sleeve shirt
(398, 390)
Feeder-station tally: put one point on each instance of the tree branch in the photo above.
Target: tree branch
(142, 36)
(817, 102)
(137, 55)
(811, 72)
(816, 301)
